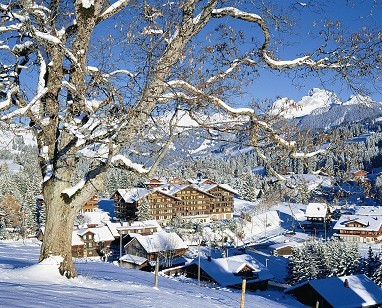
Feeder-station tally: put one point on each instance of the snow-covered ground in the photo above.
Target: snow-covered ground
(24, 283)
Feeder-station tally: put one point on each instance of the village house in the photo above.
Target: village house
(283, 249)
(364, 226)
(201, 200)
(91, 242)
(318, 213)
(347, 291)
(143, 250)
(228, 272)
(90, 206)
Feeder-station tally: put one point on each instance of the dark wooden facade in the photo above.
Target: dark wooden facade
(216, 203)
(192, 272)
(354, 228)
(90, 248)
(136, 249)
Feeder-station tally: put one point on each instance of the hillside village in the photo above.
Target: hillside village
(205, 231)
(215, 233)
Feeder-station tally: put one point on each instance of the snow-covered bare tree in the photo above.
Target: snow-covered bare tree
(110, 80)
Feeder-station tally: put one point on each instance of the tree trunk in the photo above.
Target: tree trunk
(57, 241)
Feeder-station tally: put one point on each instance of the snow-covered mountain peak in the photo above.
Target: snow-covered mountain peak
(318, 101)
(359, 100)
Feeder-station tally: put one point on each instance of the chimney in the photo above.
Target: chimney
(346, 283)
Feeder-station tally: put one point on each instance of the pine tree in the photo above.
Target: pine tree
(372, 263)
(377, 277)
(143, 210)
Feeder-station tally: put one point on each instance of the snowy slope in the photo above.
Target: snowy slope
(322, 109)
(23, 283)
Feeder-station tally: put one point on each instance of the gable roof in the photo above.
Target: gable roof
(76, 239)
(283, 245)
(160, 241)
(224, 270)
(361, 291)
(97, 217)
(316, 210)
(133, 194)
(101, 234)
(207, 187)
(133, 259)
(371, 223)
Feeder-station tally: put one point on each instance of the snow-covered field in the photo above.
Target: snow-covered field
(24, 283)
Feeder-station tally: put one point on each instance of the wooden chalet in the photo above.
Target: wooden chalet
(90, 206)
(318, 217)
(364, 226)
(347, 291)
(228, 272)
(91, 242)
(283, 249)
(168, 246)
(203, 201)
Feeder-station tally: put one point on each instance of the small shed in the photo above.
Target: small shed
(347, 291)
(131, 261)
(227, 272)
(283, 249)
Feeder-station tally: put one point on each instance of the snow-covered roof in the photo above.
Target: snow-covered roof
(102, 234)
(224, 270)
(76, 240)
(360, 293)
(198, 181)
(83, 231)
(160, 241)
(135, 225)
(133, 259)
(133, 194)
(282, 245)
(228, 188)
(97, 217)
(113, 228)
(147, 224)
(207, 187)
(370, 223)
(316, 210)
(171, 189)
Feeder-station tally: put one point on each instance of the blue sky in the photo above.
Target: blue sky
(353, 15)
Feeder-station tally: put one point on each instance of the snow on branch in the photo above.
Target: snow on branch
(22, 111)
(302, 61)
(6, 104)
(47, 37)
(277, 64)
(222, 105)
(236, 13)
(72, 190)
(218, 102)
(10, 28)
(235, 63)
(126, 72)
(129, 164)
(113, 9)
